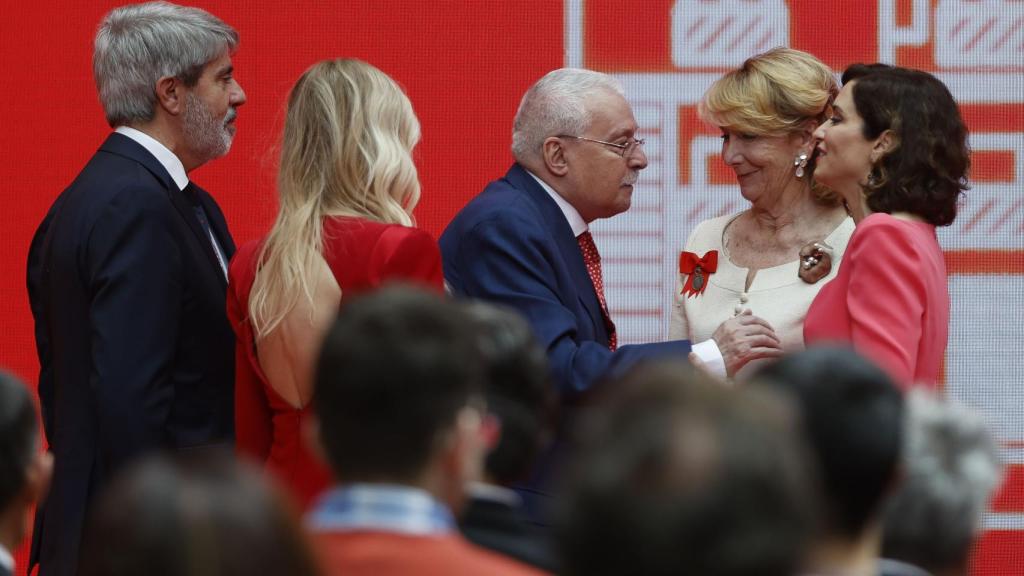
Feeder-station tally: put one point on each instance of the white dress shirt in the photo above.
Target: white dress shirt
(6, 559)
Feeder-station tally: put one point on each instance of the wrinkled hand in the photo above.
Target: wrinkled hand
(744, 338)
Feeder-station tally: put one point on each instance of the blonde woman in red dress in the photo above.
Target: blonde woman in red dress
(896, 150)
(347, 186)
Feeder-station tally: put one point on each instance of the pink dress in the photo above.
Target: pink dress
(890, 300)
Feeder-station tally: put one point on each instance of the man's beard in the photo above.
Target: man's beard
(208, 136)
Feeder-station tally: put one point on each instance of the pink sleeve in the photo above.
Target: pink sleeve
(253, 417)
(407, 254)
(886, 298)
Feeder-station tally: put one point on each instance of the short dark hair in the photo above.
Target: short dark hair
(395, 369)
(518, 389)
(853, 419)
(927, 171)
(19, 433)
(208, 515)
(681, 475)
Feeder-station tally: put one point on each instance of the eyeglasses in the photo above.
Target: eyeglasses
(625, 150)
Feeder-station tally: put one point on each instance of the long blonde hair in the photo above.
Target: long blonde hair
(346, 151)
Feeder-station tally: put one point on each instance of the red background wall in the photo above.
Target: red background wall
(465, 65)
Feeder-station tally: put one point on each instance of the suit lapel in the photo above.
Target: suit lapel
(185, 208)
(217, 222)
(124, 146)
(566, 242)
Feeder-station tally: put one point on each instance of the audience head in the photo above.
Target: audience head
(853, 416)
(896, 142)
(24, 470)
(399, 393)
(951, 468)
(681, 475)
(161, 57)
(768, 110)
(346, 150)
(209, 515)
(576, 131)
(518, 389)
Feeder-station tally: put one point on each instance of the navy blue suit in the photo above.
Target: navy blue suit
(135, 350)
(512, 245)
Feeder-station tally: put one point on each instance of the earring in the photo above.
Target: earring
(800, 163)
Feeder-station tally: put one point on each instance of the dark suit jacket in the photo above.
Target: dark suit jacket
(512, 245)
(506, 529)
(134, 347)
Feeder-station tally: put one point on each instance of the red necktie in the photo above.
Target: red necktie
(593, 261)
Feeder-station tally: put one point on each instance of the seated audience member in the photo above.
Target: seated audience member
(520, 400)
(24, 469)
(347, 186)
(950, 469)
(399, 400)
(209, 516)
(680, 475)
(852, 416)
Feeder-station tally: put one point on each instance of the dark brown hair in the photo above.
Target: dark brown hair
(926, 172)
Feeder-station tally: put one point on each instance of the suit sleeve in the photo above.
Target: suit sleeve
(407, 254)
(40, 314)
(886, 299)
(253, 417)
(510, 260)
(134, 265)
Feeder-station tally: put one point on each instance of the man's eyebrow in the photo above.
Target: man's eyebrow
(622, 132)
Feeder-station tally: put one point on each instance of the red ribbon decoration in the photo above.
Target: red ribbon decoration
(697, 271)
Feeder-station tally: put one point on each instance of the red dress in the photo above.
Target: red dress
(362, 255)
(890, 300)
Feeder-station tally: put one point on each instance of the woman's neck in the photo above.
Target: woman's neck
(795, 218)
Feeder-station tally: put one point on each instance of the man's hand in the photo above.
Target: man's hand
(744, 338)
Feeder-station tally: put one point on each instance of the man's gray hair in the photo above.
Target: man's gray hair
(952, 466)
(555, 105)
(138, 44)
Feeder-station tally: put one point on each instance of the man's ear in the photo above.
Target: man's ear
(170, 95)
(553, 152)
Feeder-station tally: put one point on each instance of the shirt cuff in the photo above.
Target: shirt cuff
(711, 356)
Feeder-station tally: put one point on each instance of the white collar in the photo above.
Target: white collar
(576, 222)
(494, 493)
(167, 159)
(6, 560)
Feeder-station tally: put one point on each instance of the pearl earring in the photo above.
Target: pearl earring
(800, 163)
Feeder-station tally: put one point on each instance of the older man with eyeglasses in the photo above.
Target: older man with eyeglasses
(524, 241)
